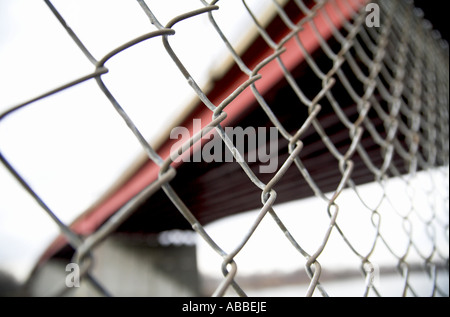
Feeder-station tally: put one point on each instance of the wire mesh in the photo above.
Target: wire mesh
(396, 77)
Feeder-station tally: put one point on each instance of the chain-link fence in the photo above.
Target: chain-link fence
(386, 88)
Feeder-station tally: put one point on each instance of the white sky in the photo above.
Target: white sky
(72, 146)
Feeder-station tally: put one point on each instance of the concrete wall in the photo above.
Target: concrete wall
(126, 266)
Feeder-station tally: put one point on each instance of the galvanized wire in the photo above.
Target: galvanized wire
(403, 68)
